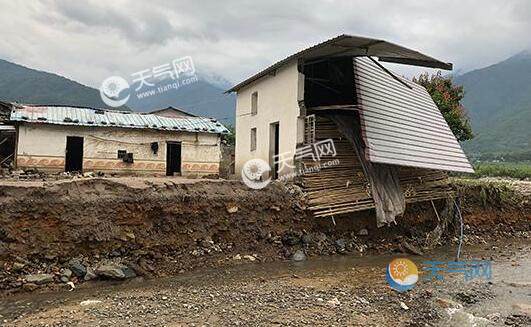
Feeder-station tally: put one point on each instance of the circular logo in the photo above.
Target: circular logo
(110, 91)
(402, 274)
(253, 171)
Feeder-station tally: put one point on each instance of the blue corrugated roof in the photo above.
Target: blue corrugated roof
(80, 116)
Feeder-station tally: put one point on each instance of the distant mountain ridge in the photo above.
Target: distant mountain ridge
(498, 100)
(25, 85)
(497, 97)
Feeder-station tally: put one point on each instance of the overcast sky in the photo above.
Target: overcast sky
(90, 40)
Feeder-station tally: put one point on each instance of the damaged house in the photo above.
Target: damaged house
(66, 138)
(392, 144)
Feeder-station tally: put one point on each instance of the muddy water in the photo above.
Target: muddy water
(511, 280)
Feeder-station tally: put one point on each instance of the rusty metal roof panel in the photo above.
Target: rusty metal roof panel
(401, 124)
(80, 116)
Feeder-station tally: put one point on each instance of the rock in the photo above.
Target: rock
(128, 272)
(363, 232)
(64, 279)
(334, 302)
(90, 274)
(18, 266)
(237, 257)
(276, 208)
(340, 245)
(291, 238)
(39, 279)
(89, 303)
(66, 273)
(523, 308)
(77, 268)
(405, 247)
(447, 303)
(50, 256)
(298, 256)
(306, 239)
(114, 271)
(207, 242)
(130, 236)
(232, 209)
(30, 287)
(249, 257)
(403, 306)
(144, 264)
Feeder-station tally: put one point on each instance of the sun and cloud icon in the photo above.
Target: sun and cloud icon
(402, 274)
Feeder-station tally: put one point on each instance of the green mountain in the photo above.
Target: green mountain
(201, 98)
(498, 100)
(25, 85)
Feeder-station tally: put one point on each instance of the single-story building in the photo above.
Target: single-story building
(392, 144)
(54, 138)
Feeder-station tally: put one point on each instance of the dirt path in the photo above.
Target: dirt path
(338, 291)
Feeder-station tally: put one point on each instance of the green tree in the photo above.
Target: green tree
(230, 138)
(447, 97)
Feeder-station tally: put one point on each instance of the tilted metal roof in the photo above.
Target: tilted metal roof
(349, 45)
(80, 116)
(401, 125)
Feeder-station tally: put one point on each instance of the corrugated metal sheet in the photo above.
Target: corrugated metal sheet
(401, 125)
(79, 116)
(350, 45)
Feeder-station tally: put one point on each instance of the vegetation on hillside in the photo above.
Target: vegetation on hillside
(503, 169)
(498, 101)
(447, 97)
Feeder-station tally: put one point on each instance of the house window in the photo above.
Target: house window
(253, 139)
(254, 103)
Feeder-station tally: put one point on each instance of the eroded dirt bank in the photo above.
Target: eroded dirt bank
(167, 226)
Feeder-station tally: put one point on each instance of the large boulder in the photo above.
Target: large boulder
(39, 279)
(77, 268)
(114, 271)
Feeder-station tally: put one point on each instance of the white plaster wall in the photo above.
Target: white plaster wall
(37, 141)
(277, 102)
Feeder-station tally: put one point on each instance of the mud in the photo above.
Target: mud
(166, 226)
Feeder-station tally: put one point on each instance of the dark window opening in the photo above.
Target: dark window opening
(329, 82)
(155, 147)
(253, 139)
(254, 103)
(274, 144)
(122, 154)
(173, 158)
(74, 154)
(128, 158)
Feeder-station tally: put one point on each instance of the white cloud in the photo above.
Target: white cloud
(90, 40)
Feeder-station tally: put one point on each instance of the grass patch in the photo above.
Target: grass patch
(503, 169)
